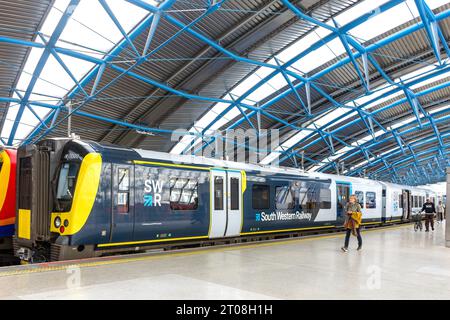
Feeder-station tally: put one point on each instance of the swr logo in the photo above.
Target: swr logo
(153, 190)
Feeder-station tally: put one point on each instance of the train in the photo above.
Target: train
(80, 199)
(7, 197)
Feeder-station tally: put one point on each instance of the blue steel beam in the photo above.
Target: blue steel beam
(315, 46)
(370, 48)
(430, 28)
(118, 25)
(398, 152)
(392, 105)
(41, 64)
(99, 62)
(388, 138)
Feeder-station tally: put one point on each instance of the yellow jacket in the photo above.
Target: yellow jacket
(354, 220)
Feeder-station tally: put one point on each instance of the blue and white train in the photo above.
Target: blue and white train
(79, 199)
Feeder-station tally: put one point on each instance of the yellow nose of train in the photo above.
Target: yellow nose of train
(86, 187)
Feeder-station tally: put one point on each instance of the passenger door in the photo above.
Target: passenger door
(343, 193)
(122, 217)
(226, 203)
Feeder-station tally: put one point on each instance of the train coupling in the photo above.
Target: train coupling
(25, 254)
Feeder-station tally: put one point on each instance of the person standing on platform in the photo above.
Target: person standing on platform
(429, 209)
(353, 222)
(440, 212)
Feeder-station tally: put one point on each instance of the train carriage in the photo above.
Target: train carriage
(80, 199)
(7, 196)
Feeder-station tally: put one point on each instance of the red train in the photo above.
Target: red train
(7, 196)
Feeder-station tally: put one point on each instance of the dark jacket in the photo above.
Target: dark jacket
(428, 207)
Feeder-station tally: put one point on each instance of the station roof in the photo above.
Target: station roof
(358, 87)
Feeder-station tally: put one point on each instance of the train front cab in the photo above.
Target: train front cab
(37, 192)
(7, 196)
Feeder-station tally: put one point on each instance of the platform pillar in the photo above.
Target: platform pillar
(447, 211)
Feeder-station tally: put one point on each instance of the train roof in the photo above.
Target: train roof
(141, 154)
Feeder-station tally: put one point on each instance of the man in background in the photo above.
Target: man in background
(430, 210)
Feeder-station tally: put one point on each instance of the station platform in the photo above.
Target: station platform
(395, 263)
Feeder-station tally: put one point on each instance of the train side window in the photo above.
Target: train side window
(400, 201)
(360, 198)
(183, 194)
(260, 196)
(371, 200)
(416, 202)
(420, 201)
(234, 190)
(123, 195)
(325, 198)
(284, 198)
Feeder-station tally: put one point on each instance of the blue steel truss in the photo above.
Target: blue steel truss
(400, 164)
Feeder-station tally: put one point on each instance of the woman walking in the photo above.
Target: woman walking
(353, 222)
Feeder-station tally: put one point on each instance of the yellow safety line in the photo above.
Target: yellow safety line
(120, 260)
(367, 223)
(115, 244)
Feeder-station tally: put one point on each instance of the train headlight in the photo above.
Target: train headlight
(57, 222)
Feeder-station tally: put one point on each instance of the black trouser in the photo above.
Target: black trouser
(358, 235)
(429, 218)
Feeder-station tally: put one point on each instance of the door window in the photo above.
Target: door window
(218, 193)
(234, 190)
(123, 194)
(371, 200)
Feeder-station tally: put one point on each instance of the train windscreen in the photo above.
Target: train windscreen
(65, 188)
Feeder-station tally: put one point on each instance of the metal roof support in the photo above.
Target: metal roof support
(99, 62)
(151, 32)
(398, 139)
(431, 28)
(307, 110)
(363, 118)
(313, 47)
(414, 103)
(345, 28)
(41, 64)
(98, 78)
(67, 70)
(432, 17)
(436, 131)
(370, 49)
(210, 42)
(30, 108)
(427, 91)
(397, 152)
(63, 65)
(244, 114)
(351, 56)
(409, 158)
(133, 34)
(413, 156)
(308, 95)
(118, 25)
